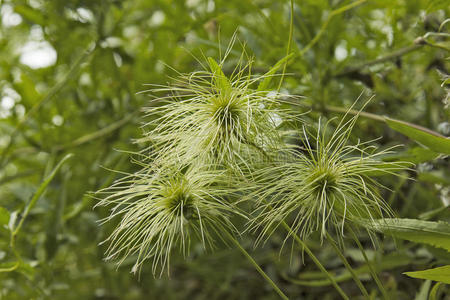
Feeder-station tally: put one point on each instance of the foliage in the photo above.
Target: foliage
(84, 99)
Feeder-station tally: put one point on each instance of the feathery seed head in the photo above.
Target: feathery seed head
(325, 187)
(214, 118)
(162, 211)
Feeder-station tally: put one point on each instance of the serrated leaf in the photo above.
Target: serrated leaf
(440, 274)
(424, 136)
(436, 234)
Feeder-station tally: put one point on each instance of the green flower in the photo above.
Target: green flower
(326, 185)
(161, 211)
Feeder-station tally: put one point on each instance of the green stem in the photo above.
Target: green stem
(390, 56)
(347, 265)
(35, 198)
(327, 21)
(257, 267)
(315, 260)
(97, 134)
(311, 255)
(377, 118)
(291, 33)
(418, 44)
(369, 264)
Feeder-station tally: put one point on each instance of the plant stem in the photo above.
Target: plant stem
(35, 198)
(378, 118)
(327, 21)
(257, 267)
(369, 264)
(347, 265)
(390, 56)
(291, 33)
(312, 256)
(97, 134)
(315, 260)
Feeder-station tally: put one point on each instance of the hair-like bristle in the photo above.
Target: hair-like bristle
(322, 188)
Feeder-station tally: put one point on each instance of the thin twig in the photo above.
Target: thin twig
(418, 44)
(327, 21)
(97, 134)
(369, 264)
(257, 267)
(380, 60)
(315, 260)
(348, 267)
(35, 198)
(288, 51)
(379, 118)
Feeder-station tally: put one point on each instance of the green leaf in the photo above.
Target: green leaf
(424, 136)
(221, 81)
(19, 266)
(441, 274)
(269, 75)
(415, 155)
(433, 233)
(30, 14)
(436, 177)
(4, 216)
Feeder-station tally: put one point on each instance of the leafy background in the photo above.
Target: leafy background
(84, 101)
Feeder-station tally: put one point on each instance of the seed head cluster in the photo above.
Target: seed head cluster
(206, 137)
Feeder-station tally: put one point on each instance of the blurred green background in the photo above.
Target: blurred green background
(70, 71)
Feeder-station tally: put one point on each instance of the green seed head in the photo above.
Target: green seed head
(178, 200)
(162, 211)
(322, 189)
(213, 118)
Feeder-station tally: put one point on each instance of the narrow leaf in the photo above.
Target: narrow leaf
(433, 233)
(221, 81)
(441, 274)
(424, 136)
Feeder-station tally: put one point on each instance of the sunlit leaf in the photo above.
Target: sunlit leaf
(441, 274)
(421, 135)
